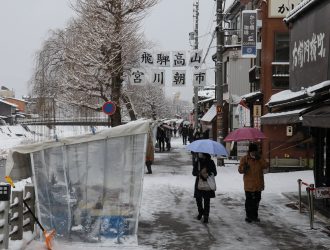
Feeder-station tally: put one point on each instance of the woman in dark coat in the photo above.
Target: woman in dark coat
(203, 164)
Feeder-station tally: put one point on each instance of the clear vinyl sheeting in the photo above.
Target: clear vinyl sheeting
(90, 191)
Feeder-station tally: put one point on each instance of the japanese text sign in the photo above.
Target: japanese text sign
(249, 33)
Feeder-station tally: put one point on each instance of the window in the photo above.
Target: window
(282, 47)
(280, 65)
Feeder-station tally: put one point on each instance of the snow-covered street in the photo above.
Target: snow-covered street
(167, 216)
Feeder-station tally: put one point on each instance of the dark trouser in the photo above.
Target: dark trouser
(252, 200)
(184, 139)
(161, 143)
(206, 210)
(148, 164)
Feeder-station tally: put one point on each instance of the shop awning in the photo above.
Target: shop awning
(287, 117)
(317, 118)
(210, 114)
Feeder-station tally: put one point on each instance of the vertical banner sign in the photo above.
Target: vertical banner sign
(163, 59)
(178, 78)
(137, 77)
(158, 77)
(146, 58)
(249, 33)
(199, 78)
(179, 59)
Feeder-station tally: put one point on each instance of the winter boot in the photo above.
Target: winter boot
(206, 219)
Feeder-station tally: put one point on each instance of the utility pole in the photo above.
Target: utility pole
(219, 70)
(196, 5)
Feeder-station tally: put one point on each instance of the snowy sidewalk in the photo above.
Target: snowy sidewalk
(167, 216)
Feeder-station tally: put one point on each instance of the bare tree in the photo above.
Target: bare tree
(86, 62)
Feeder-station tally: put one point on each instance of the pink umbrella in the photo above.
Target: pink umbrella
(245, 134)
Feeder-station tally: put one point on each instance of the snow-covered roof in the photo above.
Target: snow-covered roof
(12, 98)
(249, 95)
(210, 114)
(8, 103)
(299, 9)
(208, 93)
(131, 128)
(288, 95)
(206, 100)
(287, 117)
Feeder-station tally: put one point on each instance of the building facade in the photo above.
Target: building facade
(304, 109)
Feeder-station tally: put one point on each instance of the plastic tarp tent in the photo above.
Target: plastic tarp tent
(88, 188)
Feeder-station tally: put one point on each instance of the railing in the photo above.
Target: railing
(280, 69)
(15, 217)
(310, 195)
(66, 121)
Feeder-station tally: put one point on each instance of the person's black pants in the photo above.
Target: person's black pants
(203, 210)
(252, 200)
(184, 139)
(148, 164)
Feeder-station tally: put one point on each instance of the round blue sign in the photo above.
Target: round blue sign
(109, 108)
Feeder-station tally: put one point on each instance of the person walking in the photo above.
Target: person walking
(161, 138)
(252, 166)
(184, 134)
(203, 166)
(149, 154)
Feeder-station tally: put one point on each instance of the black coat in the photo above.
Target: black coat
(203, 163)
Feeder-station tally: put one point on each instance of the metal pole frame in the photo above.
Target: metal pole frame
(219, 70)
(196, 5)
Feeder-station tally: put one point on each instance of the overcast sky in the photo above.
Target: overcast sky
(25, 24)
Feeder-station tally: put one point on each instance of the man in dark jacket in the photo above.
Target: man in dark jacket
(252, 166)
(203, 166)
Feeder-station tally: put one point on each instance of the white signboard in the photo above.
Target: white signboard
(163, 59)
(179, 59)
(146, 58)
(195, 58)
(158, 77)
(137, 77)
(242, 148)
(199, 78)
(178, 78)
(280, 8)
(322, 192)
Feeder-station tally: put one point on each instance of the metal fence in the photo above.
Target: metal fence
(15, 219)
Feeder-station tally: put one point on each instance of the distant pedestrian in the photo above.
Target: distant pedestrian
(203, 166)
(190, 133)
(252, 166)
(184, 134)
(161, 138)
(149, 154)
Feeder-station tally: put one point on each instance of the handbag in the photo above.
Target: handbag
(203, 185)
(211, 182)
(208, 185)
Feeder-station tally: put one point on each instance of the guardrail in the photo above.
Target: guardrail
(66, 121)
(14, 216)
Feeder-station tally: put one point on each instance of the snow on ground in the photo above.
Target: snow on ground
(168, 211)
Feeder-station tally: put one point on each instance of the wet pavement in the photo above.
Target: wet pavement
(172, 224)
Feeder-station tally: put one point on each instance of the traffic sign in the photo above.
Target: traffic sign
(109, 108)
